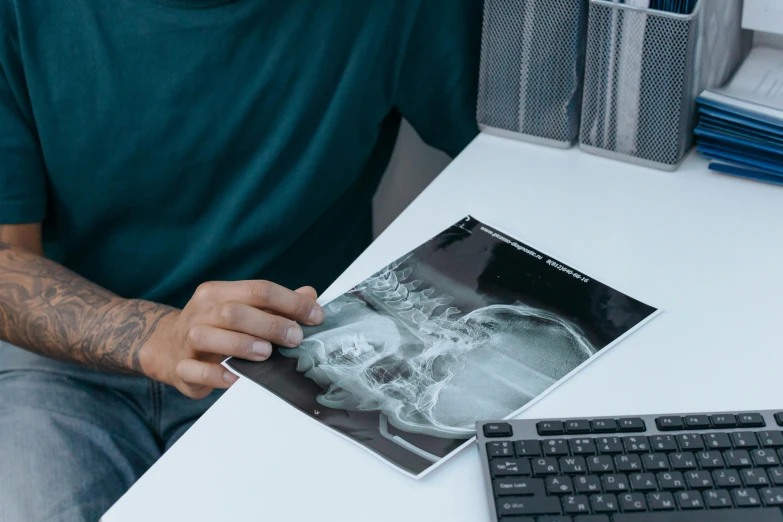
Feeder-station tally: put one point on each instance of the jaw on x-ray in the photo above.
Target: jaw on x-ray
(396, 346)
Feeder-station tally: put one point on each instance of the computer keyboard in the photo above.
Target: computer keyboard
(720, 467)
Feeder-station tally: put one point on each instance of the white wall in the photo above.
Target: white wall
(413, 166)
(768, 39)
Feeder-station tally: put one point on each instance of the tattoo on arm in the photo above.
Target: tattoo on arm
(48, 309)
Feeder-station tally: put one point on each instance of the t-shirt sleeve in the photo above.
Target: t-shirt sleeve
(438, 82)
(22, 173)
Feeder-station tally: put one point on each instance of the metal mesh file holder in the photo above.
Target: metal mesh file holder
(532, 60)
(643, 72)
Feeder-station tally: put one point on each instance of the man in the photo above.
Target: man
(169, 170)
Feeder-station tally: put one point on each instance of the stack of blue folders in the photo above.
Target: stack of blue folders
(740, 126)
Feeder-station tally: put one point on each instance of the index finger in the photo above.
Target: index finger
(275, 299)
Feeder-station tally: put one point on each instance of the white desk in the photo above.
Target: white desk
(707, 249)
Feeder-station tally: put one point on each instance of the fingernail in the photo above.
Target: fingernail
(316, 315)
(229, 377)
(294, 335)
(262, 349)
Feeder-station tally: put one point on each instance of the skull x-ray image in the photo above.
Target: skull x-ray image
(470, 326)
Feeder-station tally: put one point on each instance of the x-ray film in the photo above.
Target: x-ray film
(472, 325)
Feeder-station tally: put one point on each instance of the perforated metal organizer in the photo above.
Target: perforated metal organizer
(532, 62)
(643, 72)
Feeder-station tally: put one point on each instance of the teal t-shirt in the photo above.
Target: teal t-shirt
(167, 143)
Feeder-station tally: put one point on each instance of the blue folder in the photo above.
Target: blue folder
(735, 129)
(746, 172)
(740, 158)
(733, 140)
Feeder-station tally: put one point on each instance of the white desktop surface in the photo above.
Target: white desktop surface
(705, 248)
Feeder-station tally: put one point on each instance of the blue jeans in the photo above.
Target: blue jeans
(72, 441)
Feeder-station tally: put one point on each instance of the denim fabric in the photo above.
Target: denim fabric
(72, 441)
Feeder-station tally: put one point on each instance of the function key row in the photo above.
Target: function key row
(719, 421)
(664, 423)
(581, 426)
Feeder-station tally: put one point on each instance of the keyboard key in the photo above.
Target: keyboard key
(545, 466)
(500, 449)
(737, 459)
(689, 500)
(753, 515)
(663, 443)
(717, 441)
(723, 421)
(643, 482)
(528, 448)
(636, 444)
(779, 418)
(600, 464)
(631, 424)
(699, 479)
(555, 447)
(710, 459)
(604, 503)
(683, 461)
(498, 429)
(771, 439)
(558, 518)
(616, 483)
(751, 420)
(717, 499)
(670, 423)
(772, 496)
(776, 476)
(550, 428)
(522, 486)
(744, 440)
(697, 422)
(559, 486)
(609, 445)
(765, 457)
(690, 442)
(577, 426)
(589, 518)
(604, 426)
(660, 501)
(655, 462)
(755, 477)
(509, 467)
(573, 465)
(745, 498)
(511, 506)
(726, 478)
(587, 484)
(582, 446)
(577, 505)
(671, 480)
(630, 502)
(628, 463)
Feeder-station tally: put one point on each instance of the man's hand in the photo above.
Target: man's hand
(46, 308)
(241, 319)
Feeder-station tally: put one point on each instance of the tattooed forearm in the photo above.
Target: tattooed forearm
(48, 309)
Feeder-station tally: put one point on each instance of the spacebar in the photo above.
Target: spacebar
(713, 515)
